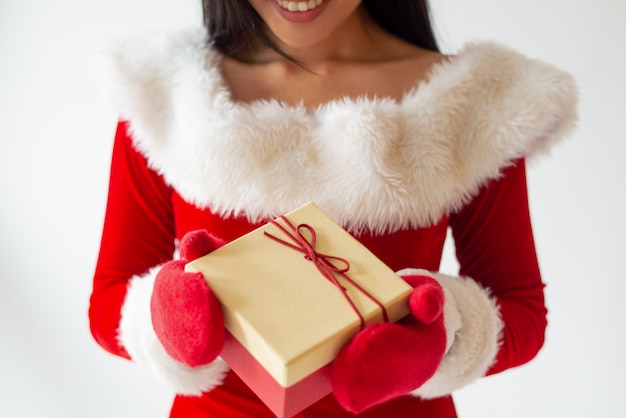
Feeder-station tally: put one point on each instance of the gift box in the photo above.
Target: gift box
(293, 293)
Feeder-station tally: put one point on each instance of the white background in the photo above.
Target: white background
(55, 140)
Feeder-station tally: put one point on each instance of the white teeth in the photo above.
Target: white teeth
(299, 6)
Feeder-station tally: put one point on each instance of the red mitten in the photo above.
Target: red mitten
(385, 360)
(186, 315)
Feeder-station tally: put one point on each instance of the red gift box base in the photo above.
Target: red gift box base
(285, 402)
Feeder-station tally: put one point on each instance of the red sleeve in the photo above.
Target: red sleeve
(495, 247)
(138, 233)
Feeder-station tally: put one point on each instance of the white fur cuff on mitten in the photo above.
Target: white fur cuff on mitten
(473, 327)
(140, 341)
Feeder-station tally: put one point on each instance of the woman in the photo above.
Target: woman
(347, 104)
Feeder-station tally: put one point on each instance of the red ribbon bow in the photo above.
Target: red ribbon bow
(323, 262)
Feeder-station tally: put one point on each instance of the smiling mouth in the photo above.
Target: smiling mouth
(299, 6)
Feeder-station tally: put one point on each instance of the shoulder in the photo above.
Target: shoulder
(481, 110)
(494, 101)
(142, 76)
(155, 51)
(491, 74)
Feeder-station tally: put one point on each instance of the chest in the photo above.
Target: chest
(412, 247)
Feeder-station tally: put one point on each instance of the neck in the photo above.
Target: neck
(359, 39)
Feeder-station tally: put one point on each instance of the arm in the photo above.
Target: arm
(494, 313)
(138, 234)
(138, 237)
(495, 247)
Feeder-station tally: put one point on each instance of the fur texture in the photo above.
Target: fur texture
(370, 164)
(473, 326)
(138, 337)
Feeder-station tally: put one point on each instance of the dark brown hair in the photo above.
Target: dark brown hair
(235, 28)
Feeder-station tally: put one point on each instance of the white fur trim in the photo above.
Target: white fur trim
(473, 327)
(373, 164)
(138, 337)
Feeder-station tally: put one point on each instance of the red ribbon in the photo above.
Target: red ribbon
(323, 262)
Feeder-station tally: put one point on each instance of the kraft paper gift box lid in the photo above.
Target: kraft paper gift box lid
(280, 308)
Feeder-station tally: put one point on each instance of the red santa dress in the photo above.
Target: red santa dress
(398, 175)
